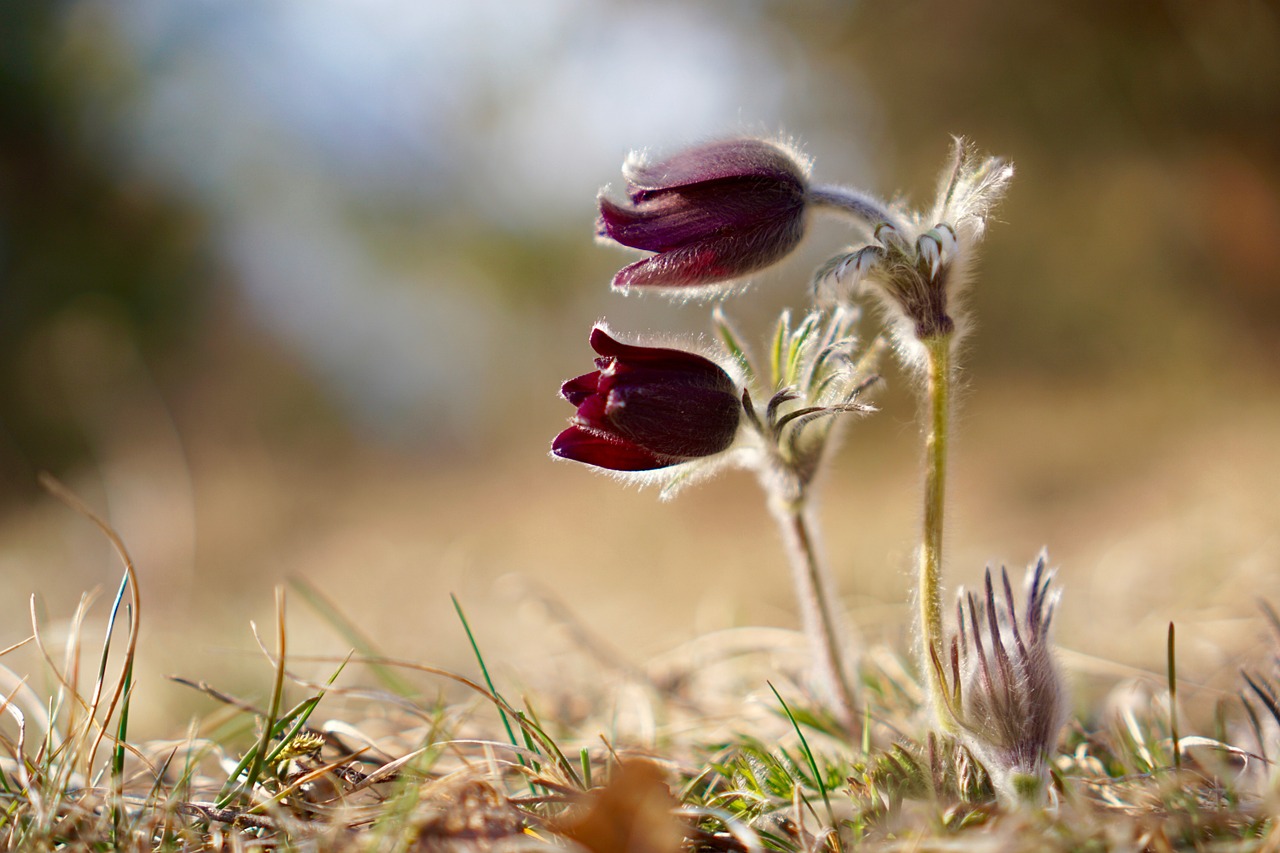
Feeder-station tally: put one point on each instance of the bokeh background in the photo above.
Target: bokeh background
(287, 290)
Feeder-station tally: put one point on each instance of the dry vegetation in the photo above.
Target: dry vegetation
(715, 746)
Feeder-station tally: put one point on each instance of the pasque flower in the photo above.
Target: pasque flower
(1004, 692)
(712, 213)
(646, 408)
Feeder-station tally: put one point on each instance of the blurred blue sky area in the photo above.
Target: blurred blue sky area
(279, 120)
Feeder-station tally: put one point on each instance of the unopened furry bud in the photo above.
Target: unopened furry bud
(1005, 693)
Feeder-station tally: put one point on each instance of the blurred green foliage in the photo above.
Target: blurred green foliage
(1141, 231)
(73, 233)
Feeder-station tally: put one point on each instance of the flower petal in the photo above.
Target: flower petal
(668, 219)
(659, 358)
(602, 451)
(716, 260)
(722, 159)
(677, 420)
(580, 387)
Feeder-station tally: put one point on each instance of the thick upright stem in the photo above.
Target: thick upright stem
(819, 616)
(935, 488)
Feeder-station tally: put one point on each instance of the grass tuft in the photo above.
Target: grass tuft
(372, 758)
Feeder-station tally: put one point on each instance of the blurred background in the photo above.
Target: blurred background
(287, 291)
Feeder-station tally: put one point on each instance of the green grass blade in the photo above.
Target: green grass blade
(232, 787)
(106, 654)
(808, 754)
(256, 757)
(301, 713)
(532, 726)
(529, 742)
(117, 755)
(111, 626)
(484, 670)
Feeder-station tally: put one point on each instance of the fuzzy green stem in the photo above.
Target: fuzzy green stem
(938, 391)
(818, 616)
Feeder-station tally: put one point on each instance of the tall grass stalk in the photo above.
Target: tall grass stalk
(133, 610)
(1171, 657)
(330, 613)
(484, 671)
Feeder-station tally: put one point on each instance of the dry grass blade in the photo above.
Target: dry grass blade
(257, 757)
(69, 498)
(389, 771)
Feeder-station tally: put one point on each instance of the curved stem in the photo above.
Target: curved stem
(822, 624)
(861, 205)
(935, 486)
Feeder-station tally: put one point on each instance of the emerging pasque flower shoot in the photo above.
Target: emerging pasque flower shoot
(1003, 690)
(670, 415)
(816, 371)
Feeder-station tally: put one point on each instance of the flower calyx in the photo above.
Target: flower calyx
(815, 371)
(920, 262)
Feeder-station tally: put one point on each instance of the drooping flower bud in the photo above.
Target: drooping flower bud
(712, 213)
(645, 408)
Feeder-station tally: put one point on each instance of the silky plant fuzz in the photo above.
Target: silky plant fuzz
(714, 214)
(1003, 690)
(919, 263)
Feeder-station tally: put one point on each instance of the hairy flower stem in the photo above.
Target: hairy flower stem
(856, 203)
(818, 615)
(938, 392)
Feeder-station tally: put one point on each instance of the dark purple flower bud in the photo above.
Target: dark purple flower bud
(711, 213)
(646, 408)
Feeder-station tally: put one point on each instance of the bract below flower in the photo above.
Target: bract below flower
(646, 408)
(921, 264)
(712, 213)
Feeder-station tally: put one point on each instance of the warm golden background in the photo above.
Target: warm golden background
(287, 290)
